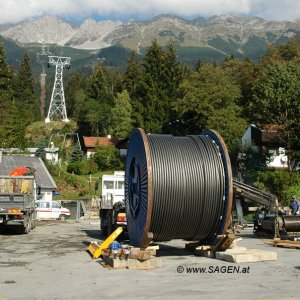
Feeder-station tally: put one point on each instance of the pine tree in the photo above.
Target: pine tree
(24, 92)
(15, 128)
(40, 152)
(132, 77)
(6, 97)
(5, 72)
(158, 87)
(152, 89)
(98, 86)
(121, 116)
(173, 77)
(99, 102)
(74, 93)
(76, 154)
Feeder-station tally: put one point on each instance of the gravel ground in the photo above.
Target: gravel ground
(51, 262)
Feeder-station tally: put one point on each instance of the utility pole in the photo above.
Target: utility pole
(57, 104)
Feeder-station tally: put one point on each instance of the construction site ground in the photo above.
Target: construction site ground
(51, 262)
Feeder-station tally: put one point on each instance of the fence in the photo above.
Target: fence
(85, 208)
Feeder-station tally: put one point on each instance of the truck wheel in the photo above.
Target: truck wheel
(63, 217)
(27, 226)
(104, 230)
(110, 227)
(33, 222)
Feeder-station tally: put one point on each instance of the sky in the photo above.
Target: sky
(13, 11)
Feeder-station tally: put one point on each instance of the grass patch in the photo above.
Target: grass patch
(41, 130)
(76, 187)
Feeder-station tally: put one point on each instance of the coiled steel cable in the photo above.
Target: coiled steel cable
(187, 188)
(291, 223)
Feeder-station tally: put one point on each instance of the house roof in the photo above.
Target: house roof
(268, 135)
(42, 175)
(92, 142)
(30, 150)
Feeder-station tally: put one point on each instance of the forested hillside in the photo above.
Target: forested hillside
(161, 95)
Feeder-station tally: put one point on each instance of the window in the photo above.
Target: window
(108, 185)
(43, 204)
(55, 205)
(120, 185)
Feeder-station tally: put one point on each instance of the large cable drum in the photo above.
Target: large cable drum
(177, 187)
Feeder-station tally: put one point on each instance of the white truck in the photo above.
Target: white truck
(17, 202)
(112, 204)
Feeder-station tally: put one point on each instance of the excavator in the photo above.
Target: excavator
(269, 219)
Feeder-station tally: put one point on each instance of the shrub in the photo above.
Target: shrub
(108, 158)
(287, 194)
(82, 167)
(279, 182)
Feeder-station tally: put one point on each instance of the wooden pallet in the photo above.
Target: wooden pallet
(138, 258)
(286, 244)
(224, 242)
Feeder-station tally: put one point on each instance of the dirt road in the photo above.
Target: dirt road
(51, 263)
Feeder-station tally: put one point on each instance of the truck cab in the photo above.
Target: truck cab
(114, 185)
(112, 204)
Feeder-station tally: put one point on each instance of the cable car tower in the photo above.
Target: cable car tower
(57, 104)
(42, 58)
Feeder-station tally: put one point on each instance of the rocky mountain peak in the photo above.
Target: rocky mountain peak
(50, 29)
(137, 35)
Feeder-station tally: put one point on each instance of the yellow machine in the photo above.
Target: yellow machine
(96, 250)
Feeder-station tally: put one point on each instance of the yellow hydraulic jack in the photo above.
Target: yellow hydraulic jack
(95, 249)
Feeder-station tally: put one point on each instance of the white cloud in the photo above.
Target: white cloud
(12, 11)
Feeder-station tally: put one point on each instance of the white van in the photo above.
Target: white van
(51, 210)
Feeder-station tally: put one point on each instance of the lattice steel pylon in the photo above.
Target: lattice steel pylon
(57, 104)
(42, 58)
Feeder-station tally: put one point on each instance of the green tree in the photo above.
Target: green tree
(285, 52)
(209, 102)
(7, 107)
(76, 154)
(96, 109)
(131, 74)
(173, 76)
(74, 93)
(121, 116)
(152, 93)
(244, 74)
(131, 79)
(277, 101)
(5, 72)
(158, 87)
(24, 92)
(40, 152)
(98, 117)
(108, 158)
(82, 167)
(98, 87)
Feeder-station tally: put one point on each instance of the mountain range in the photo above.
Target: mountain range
(213, 38)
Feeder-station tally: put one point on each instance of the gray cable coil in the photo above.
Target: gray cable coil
(175, 189)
